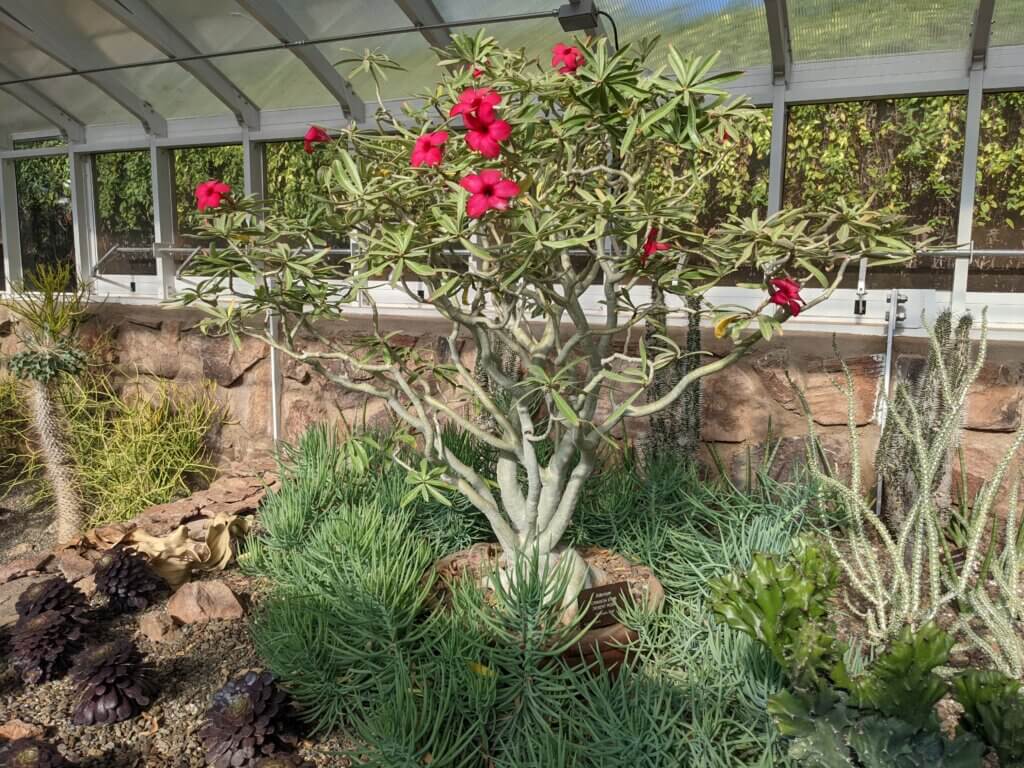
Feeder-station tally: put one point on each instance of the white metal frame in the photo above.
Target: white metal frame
(783, 83)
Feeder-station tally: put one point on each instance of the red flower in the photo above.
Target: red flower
(786, 293)
(209, 193)
(315, 135)
(652, 246)
(428, 149)
(476, 104)
(567, 58)
(476, 70)
(488, 191)
(486, 138)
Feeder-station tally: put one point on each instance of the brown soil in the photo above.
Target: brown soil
(610, 642)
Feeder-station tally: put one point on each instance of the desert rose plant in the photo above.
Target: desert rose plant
(505, 199)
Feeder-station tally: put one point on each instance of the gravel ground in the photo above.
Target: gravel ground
(24, 528)
(187, 670)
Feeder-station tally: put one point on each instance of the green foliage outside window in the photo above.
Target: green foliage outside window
(195, 164)
(908, 152)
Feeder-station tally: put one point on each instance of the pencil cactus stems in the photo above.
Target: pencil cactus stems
(533, 233)
(905, 577)
(50, 311)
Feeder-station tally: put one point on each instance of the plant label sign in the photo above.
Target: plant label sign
(601, 605)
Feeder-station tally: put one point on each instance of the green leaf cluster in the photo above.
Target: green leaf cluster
(882, 716)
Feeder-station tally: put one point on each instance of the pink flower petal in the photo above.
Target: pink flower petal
(472, 183)
(477, 206)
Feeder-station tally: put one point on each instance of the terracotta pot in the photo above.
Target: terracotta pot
(610, 643)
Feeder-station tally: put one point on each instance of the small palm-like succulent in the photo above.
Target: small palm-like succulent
(127, 580)
(248, 719)
(114, 683)
(31, 753)
(42, 646)
(55, 594)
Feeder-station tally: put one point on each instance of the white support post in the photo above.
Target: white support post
(777, 154)
(161, 170)
(968, 182)
(83, 213)
(254, 158)
(10, 232)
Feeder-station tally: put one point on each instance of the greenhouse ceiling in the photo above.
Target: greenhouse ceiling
(124, 73)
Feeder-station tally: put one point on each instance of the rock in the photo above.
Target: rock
(19, 729)
(87, 586)
(24, 566)
(72, 565)
(200, 601)
(9, 594)
(735, 408)
(828, 404)
(994, 401)
(224, 362)
(158, 627)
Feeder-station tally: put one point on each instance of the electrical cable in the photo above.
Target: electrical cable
(615, 28)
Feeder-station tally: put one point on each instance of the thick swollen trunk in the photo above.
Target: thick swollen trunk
(540, 518)
(49, 428)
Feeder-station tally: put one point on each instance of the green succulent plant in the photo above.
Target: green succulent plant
(783, 605)
(994, 711)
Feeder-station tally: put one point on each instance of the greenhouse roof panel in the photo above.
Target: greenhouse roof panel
(842, 29)
(737, 28)
(1008, 23)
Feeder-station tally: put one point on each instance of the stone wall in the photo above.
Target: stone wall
(747, 408)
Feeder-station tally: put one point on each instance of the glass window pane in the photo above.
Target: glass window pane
(124, 211)
(193, 165)
(1008, 23)
(737, 28)
(740, 184)
(271, 80)
(44, 211)
(999, 196)
(839, 29)
(906, 153)
(294, 188)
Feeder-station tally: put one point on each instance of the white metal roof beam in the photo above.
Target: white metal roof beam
(981, 33)
(273, 16)
(69, 125)
(424, 12)
(59, 40)
(777, 16)
(140, 17)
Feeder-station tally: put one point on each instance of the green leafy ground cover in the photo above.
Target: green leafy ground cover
(348, 626)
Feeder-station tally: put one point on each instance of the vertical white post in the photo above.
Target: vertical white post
(968, 182)
(161, 173)
(10, 232)
(83, 213)
(255, 184)
(777, 154)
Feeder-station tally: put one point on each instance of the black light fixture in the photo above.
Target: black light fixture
(578, 15)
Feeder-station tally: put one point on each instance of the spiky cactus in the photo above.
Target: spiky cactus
(908, 577)
(50, 314)
(42, 646)
(929, 396)
(31, 753)
(127, 580)
(114, 684)
(248, 719)
(676, 430)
